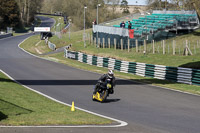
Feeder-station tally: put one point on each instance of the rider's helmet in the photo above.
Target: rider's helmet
(110, 73)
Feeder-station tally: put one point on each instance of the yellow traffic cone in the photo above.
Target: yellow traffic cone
(72, 107)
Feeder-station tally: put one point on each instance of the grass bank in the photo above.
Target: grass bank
(36, 46)
(159, 58)
(20, 106)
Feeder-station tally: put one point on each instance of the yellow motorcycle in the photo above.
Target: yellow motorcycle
(102, 91)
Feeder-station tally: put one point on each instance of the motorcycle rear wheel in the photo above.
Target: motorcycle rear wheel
(103, 95)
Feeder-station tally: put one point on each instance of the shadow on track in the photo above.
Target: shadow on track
(69, 82)
(88, 82)
(111, 100)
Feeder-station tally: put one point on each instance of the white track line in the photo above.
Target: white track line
(121, 123)
(38, 43)
(14, 36)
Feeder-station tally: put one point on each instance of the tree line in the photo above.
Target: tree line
(18, 13)
(173, 4)
(75, 10)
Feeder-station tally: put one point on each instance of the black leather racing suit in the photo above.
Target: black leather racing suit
(102, 83)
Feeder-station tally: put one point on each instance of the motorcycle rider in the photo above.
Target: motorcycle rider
(102, 81)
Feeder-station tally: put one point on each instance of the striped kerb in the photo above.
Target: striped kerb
(89, 59)
(184, 75)
(196, 77)
(100, 61)
(171, 74)
(176, 74)
(76, 55)
(105, 62)
(124, 66)
(65, 53)
(84, 58)
(132, 67)
(117, 65)
(80, 57)
(159, 72)
(111, 64)
(149, 70)
(94, 60)
(140, 69)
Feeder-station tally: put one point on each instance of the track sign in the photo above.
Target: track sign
(42, 29)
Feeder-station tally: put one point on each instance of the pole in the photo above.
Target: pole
(97, 22)
(153, 47)
(97, 14)
(174, 48)
(98, 17)
(136, 43)
(69, 29)
(163, 46)
(84, 27)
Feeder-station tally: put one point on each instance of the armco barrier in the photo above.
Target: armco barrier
(5, 35)
(175, 74)
(50, 45)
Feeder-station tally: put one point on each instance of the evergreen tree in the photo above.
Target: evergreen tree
(124, 6)
(9, 14)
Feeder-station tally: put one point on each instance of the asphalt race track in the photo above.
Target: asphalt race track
(146, 109)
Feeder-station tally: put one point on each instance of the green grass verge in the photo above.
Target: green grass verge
(160, 59)
(20, 106)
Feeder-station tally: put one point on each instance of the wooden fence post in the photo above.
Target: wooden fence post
(121, 44)
(109, 43)
(153, 47)
(174, 47)
(136, 45)
(91, 38)
(99, 43)
(186, 45)
(163, 46)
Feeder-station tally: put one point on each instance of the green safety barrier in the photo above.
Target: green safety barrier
(175, 74)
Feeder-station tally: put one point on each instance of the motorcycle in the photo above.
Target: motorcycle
(103, 91)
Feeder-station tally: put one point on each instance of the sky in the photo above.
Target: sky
(139, 2)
